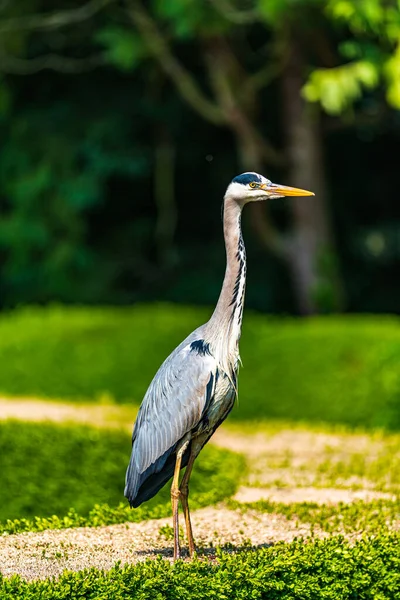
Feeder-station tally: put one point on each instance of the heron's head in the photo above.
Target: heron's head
(252, 187)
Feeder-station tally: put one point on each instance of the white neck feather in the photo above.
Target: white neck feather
(224, 328)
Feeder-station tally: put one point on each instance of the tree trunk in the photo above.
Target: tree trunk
(253, 150)
(308, 252)
(313, 279)
(251, 159)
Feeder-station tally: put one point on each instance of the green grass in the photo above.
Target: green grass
(47, 469)
(382, 470)
(345, 458)
(375, 518)
(331, 569)
(338, 369)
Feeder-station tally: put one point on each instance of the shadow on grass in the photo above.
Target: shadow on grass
(209, 552)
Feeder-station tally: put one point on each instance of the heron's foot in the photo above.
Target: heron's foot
(184, 491)
(175, 496)
(177, 551)
(192, 548)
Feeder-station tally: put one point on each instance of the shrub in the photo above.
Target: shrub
(332, 569)
(343, 369)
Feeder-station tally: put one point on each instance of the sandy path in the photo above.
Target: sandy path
(48, 553)
(290, 495)
(28, 409)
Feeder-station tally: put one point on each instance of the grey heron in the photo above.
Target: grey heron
(195, 388)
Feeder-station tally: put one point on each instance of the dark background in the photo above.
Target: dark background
(112, 180)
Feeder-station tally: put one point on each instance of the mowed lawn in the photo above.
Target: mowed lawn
(335, 369)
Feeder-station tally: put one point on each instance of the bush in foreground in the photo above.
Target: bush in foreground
(332, 569)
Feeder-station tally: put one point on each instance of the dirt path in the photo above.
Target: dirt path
(98, 415)
(49, 553)
(290, 495)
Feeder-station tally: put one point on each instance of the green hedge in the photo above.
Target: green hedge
(47, 469)
(331, 569)
(343, 369)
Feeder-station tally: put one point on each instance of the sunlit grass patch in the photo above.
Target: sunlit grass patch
(375, 517)
(337, 369)
(287, 455)
(47, 469)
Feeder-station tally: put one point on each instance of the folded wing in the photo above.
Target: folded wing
(172, 407)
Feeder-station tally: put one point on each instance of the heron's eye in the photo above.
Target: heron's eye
(253, 184)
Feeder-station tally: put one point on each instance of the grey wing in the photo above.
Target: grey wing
(172, 407)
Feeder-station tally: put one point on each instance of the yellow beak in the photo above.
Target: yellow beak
(284, 190)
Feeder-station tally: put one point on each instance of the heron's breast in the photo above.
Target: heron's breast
(221, 403)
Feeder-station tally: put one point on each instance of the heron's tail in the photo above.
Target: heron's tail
(140, 487)
(131, 481)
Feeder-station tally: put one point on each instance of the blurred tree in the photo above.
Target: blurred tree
(370, 49)
(52, 177)
(296, 34)
(235, 103)
(297, 40)
(239, 65)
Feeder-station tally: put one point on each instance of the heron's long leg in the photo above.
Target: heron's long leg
(184, 490)
(175, 494)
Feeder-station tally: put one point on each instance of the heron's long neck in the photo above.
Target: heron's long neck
(224, 327)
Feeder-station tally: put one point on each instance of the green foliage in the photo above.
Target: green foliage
(124, 49)
(369, 17)
(48, 191)
(78, 218)
(337, 88)
(276, 11)
(201, 20)
(374, 39)
(49, 469)
(333, 369)
(332, 569)
(392, 72)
